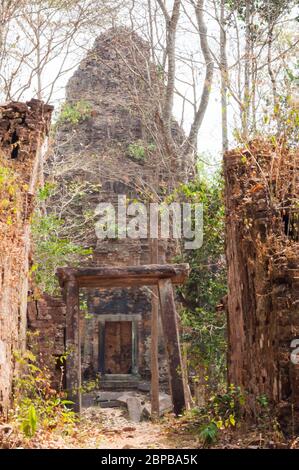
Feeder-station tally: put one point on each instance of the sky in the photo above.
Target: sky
(209, 139)
(188, 44)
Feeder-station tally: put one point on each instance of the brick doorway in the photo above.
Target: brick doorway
(118, 347)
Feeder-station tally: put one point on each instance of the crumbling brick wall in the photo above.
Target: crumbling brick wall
(262, 248)
(22, 130)
(46, 317)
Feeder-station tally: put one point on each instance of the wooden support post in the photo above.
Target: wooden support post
(134, 347)
(102, 347)
(155, 405)
(73, 346)
(172, 342)
(95, 337)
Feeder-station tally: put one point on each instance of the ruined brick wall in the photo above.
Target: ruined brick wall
(22, 130)
(262, 248)
(46, 316)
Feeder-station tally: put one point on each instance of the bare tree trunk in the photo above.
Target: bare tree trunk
(172, 22)
(253, 94)
(185, 372)
(247, 72)
(205, 95)
(270, 70)
(151, 31)
(224, 77)
(8, 9)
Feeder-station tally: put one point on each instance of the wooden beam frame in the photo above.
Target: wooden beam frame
(124, 276)
(162, 276)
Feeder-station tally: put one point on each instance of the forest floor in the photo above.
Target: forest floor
(120, 433)
(105, 428)
(110, 428)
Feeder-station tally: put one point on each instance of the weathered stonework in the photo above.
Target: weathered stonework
(22, 131)
(262, 247)
(47, 317)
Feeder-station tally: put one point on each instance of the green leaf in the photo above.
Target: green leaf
(232, 420)
(209, 433)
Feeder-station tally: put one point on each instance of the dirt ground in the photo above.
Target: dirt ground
(110, 428)
(120, 433)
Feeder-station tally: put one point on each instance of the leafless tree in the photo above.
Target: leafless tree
(44, 41)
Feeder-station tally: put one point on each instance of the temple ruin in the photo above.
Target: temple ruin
(114, 150)
(23, 128)
(115, 147)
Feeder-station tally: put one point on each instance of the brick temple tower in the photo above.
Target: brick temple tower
(114, 148)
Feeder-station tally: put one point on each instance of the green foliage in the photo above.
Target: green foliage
(137, 151)
(6, 177)
(263, 401)
(45, 191)
(222, 411)
(51, 251)
(91, 385)
(36, 404)
(74, 203)
(289, 120)
(28, 422)
(160, 71)
(74, 113)
(267, 10)
(209, 433)
(282, 125)
(266, 417)
(281, 122)
(204, 323)
(225, 408)
(151, 147)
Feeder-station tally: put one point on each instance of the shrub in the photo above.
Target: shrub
(204, 324)
(209, 433)
(36, 404)
(51, 251)
(74, 113)
(140, 150)
(222, 411)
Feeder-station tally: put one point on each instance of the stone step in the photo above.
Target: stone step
(118, 385)
(119, 382)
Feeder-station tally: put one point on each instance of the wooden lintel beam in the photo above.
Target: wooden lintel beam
(124, 276)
